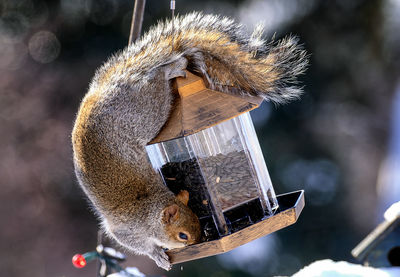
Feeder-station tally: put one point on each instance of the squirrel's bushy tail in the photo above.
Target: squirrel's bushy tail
(230, 60)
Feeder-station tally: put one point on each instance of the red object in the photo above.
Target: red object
(78, 261)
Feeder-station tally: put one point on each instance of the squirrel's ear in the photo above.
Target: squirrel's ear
(171, 213)
(183, 196)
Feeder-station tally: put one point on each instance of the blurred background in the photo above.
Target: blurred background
(340, 142)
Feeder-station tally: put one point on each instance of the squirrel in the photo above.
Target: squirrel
(130, 99)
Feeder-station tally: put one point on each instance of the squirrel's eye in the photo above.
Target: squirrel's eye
(183, 236)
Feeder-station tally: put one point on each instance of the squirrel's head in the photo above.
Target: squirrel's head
(181, 224)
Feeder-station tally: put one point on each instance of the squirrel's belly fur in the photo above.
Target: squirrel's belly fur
(130, 99)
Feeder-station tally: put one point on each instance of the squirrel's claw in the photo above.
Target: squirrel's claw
(161, 259)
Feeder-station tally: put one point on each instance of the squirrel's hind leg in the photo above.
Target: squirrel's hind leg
(176, 68)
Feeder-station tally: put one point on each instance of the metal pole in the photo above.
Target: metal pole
(137, 20)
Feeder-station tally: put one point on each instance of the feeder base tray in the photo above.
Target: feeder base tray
(290, 207)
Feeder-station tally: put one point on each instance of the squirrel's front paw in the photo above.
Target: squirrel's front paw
(161, 259)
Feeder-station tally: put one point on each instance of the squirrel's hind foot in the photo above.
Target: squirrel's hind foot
(176, 69)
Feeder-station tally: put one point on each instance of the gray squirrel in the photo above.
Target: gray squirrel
(129, 100)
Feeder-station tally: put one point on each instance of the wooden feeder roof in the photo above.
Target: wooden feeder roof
(198, 108)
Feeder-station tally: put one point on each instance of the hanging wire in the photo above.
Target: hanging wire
(172, 6)
(137, 20)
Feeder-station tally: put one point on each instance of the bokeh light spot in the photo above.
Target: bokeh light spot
(44, 47)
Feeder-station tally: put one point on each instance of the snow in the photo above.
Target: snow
(130, 272)
(329, 268)
(393, 212)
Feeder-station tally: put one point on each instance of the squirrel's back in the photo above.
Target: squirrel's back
(109, 137)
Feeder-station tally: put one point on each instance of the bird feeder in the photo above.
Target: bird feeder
(209, 148)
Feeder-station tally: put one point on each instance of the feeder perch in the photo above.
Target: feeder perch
(209, 148)
(381, 247)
